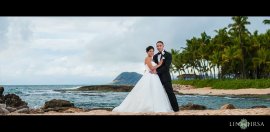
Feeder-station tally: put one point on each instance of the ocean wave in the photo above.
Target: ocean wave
(203, 96)
(72, 87)
(41, 92)
(226, 97)
(90, 94)
(194, 96)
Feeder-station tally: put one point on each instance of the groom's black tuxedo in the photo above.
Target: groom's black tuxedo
(164, 74)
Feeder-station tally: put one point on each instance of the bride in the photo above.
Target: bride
(148, 95)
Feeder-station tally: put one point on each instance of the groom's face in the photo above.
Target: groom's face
(160, 47)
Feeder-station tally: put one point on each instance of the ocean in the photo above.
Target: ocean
(37, 95)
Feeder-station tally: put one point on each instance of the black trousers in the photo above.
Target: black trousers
(168, 88)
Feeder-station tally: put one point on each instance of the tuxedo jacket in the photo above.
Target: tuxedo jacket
(164, 70)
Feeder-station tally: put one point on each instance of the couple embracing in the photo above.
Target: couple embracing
(153, 92)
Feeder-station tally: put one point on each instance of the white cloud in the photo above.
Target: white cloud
(90, 50)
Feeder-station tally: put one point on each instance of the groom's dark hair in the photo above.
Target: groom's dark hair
(160, 42)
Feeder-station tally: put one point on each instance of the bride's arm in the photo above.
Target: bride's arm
(158, 65)
(149, 64)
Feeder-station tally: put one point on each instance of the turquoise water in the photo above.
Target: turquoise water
(37, 95)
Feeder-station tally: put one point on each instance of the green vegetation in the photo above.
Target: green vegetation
(233, 53)
(226, 84)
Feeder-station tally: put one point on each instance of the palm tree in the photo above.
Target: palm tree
(215, 60)
(232, 51)
(172, 70)
(266, 21)
(176, 62)
(263, 57)
(238, 28)
(218, 43)
(187, 60)
(204, 52)
(230, 57)
(192, 54)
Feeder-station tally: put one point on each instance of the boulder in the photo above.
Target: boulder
(22, 106)
(2, 105)
(2, 100)
(191, 106)
(23, 110)
(11, 109)
(1, 95)
(11, 103)
(36, 111)
(1, 90)
(13, 100)
(57, 105)
(227, 106)
(4, 111)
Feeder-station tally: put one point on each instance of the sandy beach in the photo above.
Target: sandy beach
(186, 89)
(72, 111)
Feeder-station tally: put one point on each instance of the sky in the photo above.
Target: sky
(92, 50)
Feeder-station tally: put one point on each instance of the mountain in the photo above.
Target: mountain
(122, 83)
(127, 78)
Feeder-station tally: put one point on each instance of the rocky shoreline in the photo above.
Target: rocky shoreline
(12, 104)
(180, 89)
(101, 88)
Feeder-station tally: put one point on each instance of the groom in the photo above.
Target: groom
(164, 73)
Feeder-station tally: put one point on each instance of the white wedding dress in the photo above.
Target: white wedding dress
(148, 95)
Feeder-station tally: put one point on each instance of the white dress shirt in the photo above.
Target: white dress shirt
(160, 55)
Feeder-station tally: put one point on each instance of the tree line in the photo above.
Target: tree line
(234, 52)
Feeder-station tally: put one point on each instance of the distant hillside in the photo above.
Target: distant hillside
(127, 78)
(122, 83)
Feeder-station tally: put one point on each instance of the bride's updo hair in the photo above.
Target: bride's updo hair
(149, 47)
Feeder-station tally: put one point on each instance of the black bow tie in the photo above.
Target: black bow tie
(159, 53)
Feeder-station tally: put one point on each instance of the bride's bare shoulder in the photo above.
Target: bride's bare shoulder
(147, 59)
